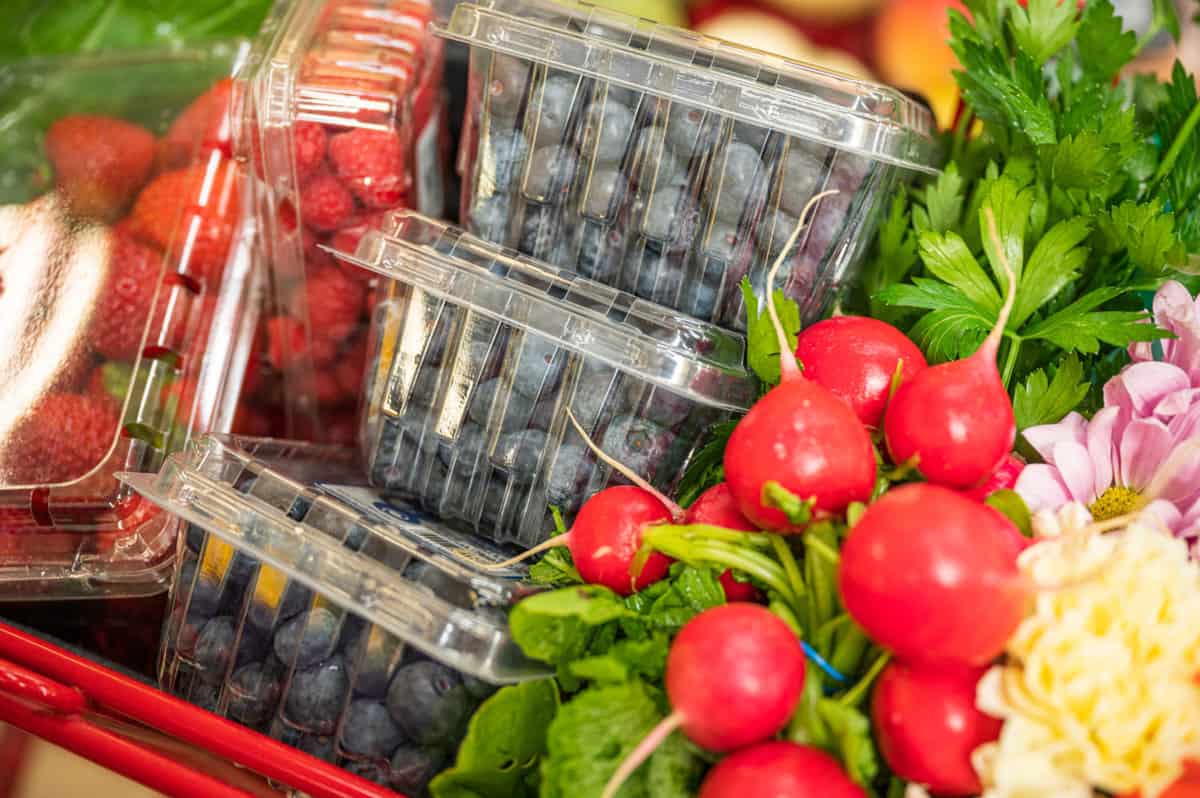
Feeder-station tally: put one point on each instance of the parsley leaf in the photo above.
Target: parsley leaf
(955, 324)
(559, 626)
(944, 200)
(1044, 28)
(947, 258)
(1079, 327)
(707, 466)
(1080, 161)
(1104, 45)
(1056, 261)
(894, 255)
(555, 569)
(1041, 400)
(762, 344)
(1147, 233)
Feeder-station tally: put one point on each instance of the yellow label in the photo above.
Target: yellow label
(217, 556)
(268, 590)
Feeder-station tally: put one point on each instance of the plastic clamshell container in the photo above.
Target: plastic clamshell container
(129, 304)
(343, 121)
(670, 164)
(478, 354)
(314, 610)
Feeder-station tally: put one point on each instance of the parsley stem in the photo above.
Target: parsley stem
(784, 553)
(854, 696)
(1010, 362)
(1185, 132)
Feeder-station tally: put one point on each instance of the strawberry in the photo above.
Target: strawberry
(99, 163)
(62, 438)
(325, 204)
(309, 140)
(202, 127)
(179, 397)
(119, 317)
(371, 163)
(108, 384)
(288, 346)
(335, 303)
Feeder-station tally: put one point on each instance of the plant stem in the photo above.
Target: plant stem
(1185, 132)
(1010, 361)
(858, 692)
(760, 540)
(715, 552)
(784, 552)
(822, 549)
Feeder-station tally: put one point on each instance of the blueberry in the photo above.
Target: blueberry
(601, 189)
(488, 219)
(314, 745)
(701, 296)
(414, 766)
(539, 231)
(195, 538)
(539, 366)
(513, 409)
(721, 241)
(478, 688)
(660, 406)
(685, 130)
(368, 729)
(554, 101)
(496, 502)
(739, 174)
(201, 594)
(599, 251)
(775, 231)
(369, 770)
(206, 696)
(373, 656)
(214, 646)
(253, 644)
(507, 156)
(464, 450)
(593, 389)
(435, 345)
(253, 692)
(429, 702)
(660, 280)
(569, 475)
(609, 124)
(241, 569)
(307, 639)
(801, 176)
(638, 443)
(315, 695)
(506, 87)
(549, 174)
(753, 135)
(656, 159)
(519, 453)
(670, 217)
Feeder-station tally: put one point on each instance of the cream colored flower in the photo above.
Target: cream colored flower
(1099, 689)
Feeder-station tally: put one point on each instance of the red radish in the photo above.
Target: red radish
(1003, 478)
(779, 770)
(956, 419)
(857, 357)
(799, 435)
(932, 576)
(927, 725)
(734, 677)
(716, 507)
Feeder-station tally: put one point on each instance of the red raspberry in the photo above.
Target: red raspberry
(351, 365)
(329, 391)
(63, 437)
(342, 428)
(346, 240)
(288, 346)
(325, 204)
(309, 139)
(335, 303)
(249, 420)
(119, 317)
(372, 164)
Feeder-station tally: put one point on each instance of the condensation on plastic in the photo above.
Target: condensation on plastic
(274, 550)
(478, 354)
(343, 65)
(671, 164)
(80, 533)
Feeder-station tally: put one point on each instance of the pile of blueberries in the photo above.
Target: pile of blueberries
(309, 674)
(669, 202)
(515, 453)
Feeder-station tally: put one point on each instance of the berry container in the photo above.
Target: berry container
(343, 122)
(479, 357)
(124, 243)
(311, 608)
(670, 164)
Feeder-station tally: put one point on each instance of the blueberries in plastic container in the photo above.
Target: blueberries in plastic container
(463, 452)
(253, 693)
(721, 241)
(369, 770)
(315, 745)
(660, 280)
(569, 474)
(506, 88)
(519, 453)
(685, 130)
(195, 538)
(554, 100)
(539, 231)
(549, 174)
(609, 124)
(315, 695)
(801, 176)
(204, 595)
(513, 409)
(593, 390)
(307, 639)
(600, 190)
(205, 696)
(599, 251)
(753, 135)
(488, 219)
(368, 729)
(213, 647)
(508, 151)
(414, 766)
(638, 443)
(670, 217)
(660, 405)
(775, 231)
(701, 296)
(539, 366)
(740, 166)
(430, 702)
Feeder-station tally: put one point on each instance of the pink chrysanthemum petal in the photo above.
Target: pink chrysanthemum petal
(1100, 432)
(1045, 436)
(1075, 468)
(1145, 445)
(1166, 512)
(1141, 386)
(1042, 488)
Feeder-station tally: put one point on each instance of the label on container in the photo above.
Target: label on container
(217, 556)
(431, 194)
(396, 513)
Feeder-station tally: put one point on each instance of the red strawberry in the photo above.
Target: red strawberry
(194, 211)
(62, 438)
(325, 204)
(119, 317)
(202, 127)
(108, 384)
(288, 347)
(335, 303)
(309, 140)
(179, 397)
(371, 163)
(99, 163)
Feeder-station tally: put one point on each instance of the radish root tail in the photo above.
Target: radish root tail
(788, 368)
(629, 473)
(554, 542)
(991, 344)
(643, 751)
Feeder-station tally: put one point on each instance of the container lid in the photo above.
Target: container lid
(305, 510)
(691, 358)
(755, 87)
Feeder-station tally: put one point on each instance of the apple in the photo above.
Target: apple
(912, 51)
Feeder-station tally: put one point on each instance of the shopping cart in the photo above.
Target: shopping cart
(123, 723)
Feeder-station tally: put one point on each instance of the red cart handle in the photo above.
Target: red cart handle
(33, 687)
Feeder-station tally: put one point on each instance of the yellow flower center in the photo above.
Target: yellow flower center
(1117, 500)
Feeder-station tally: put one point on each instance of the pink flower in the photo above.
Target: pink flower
(1119, 463)
(1177, 312)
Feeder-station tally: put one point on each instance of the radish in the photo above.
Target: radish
(955, 421)
(927, 725)
(799, 435)
(857, 358)
(734, 677)
(1004, 477)
(716, 507)
(932, 576)
(779, 770)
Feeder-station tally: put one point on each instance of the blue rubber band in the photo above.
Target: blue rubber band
(829, 670)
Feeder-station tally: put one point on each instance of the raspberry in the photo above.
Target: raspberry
(325, 204)
(346, 240)
(288, 347)
(194, 211)
(99, 163)
(119, 317)
(249, 420)
(335, 303)
(202, 127)
(351, 365)
(63, 437)
(371, 163)
(342, 428)
(309, 139)
(329, 391)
